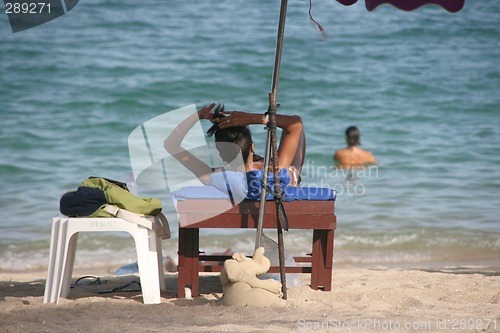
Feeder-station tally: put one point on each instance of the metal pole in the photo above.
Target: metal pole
(272, 105)
(271, 144)
(263, 193)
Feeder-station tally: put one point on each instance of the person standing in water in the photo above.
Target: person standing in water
(353, 155)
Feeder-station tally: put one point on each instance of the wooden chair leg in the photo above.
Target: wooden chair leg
(181, 266)
(188, 262)
(322, 260)
(193, 261)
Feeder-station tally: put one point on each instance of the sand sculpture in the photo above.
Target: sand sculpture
(241, 285)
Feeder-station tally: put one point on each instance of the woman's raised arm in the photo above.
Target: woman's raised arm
(173, 144)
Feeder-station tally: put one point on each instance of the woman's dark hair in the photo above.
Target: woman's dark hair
(217, 114)
(239, 135)
(352, 134)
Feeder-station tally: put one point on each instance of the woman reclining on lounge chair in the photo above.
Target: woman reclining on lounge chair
(231, 130)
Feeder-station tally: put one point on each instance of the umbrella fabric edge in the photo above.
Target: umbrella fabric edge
(452, 6)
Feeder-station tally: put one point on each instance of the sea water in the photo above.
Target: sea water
(422, 87)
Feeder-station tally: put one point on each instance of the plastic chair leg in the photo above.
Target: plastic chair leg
(51, 281)
(69, 264)
(60, 259)
(147, 258)
(161, 269)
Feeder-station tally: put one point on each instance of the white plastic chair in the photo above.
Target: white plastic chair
(63, 245)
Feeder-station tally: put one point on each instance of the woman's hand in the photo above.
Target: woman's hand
(206, 112)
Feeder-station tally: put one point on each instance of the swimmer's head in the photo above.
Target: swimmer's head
(352, 136)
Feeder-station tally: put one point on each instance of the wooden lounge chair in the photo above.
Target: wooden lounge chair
(196, 214)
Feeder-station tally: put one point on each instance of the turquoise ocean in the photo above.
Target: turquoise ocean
(422, 87)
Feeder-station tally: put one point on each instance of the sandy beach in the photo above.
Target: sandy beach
(97, 89)
(455, 299)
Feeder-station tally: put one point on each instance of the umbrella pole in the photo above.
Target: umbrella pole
(263, 193)
(271, 144)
